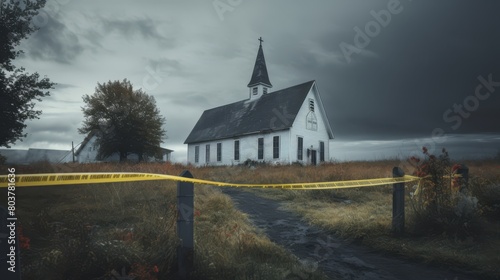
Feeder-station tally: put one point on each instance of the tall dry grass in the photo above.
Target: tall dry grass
(108, 231)
(129, 228)
(365, 214)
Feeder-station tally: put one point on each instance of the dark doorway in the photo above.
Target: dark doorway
(313, 157)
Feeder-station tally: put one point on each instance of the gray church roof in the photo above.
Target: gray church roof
(259, 75)
(271, 112)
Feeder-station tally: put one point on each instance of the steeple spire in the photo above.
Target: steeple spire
(260, 76)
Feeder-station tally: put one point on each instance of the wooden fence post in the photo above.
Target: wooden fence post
(185, 231)
(398, 203)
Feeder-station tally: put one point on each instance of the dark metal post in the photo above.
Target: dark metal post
(464, 181)
(73, 151)
(398, 203)
(185, 231)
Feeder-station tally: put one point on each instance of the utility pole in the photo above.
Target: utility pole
(72, 147)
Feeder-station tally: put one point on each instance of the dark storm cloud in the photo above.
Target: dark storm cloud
(54, 42)
(427, 59)
(459, 146)
(405, 83)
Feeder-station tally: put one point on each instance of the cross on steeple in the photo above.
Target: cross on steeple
(259, 83)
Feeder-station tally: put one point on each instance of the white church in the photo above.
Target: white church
(284, 126)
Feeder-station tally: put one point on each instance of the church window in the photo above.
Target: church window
(265, 90)
(255, 90)
(207, 153)
(311, 104)
(237, 150)
(311, 122)
(219, 151)
(196, 154)
(276, 147)
(260, 152)
(300, 148)
(321, 151)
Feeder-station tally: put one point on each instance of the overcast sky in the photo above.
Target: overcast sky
(393, 75)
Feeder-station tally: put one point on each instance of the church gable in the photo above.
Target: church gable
(312, 118)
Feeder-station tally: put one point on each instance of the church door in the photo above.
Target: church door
(313, 157)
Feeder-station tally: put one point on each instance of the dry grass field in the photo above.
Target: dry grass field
(105, 231)
(128, 230)
(364, 215)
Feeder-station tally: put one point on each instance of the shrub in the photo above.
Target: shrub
(250, 163)
(488, 194)
(441, 204)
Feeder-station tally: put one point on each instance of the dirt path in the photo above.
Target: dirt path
(320, 250)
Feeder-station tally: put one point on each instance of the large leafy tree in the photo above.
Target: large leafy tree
(124, 120)
(18, 90)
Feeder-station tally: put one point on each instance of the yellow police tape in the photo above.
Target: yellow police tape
(55, 179)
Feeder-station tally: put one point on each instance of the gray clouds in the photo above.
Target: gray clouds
(424, 61)
(54, 42)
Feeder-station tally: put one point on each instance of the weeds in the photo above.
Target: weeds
(442, 204)
(128, 230)
(364, 214)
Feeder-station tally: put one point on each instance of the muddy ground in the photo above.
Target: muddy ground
(320, 250)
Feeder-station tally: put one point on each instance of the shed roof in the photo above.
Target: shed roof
(94, 133)
(16, 156)
(49, 155)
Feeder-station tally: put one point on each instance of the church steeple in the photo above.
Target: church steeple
(259, 83)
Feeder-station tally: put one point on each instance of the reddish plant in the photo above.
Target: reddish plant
(144, 271)
(128, 238)
(197, 213)
(24, 242)
(439, 204)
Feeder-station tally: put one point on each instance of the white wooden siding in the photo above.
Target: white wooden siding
(311, 138)
(249, 146)
(288, 141)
